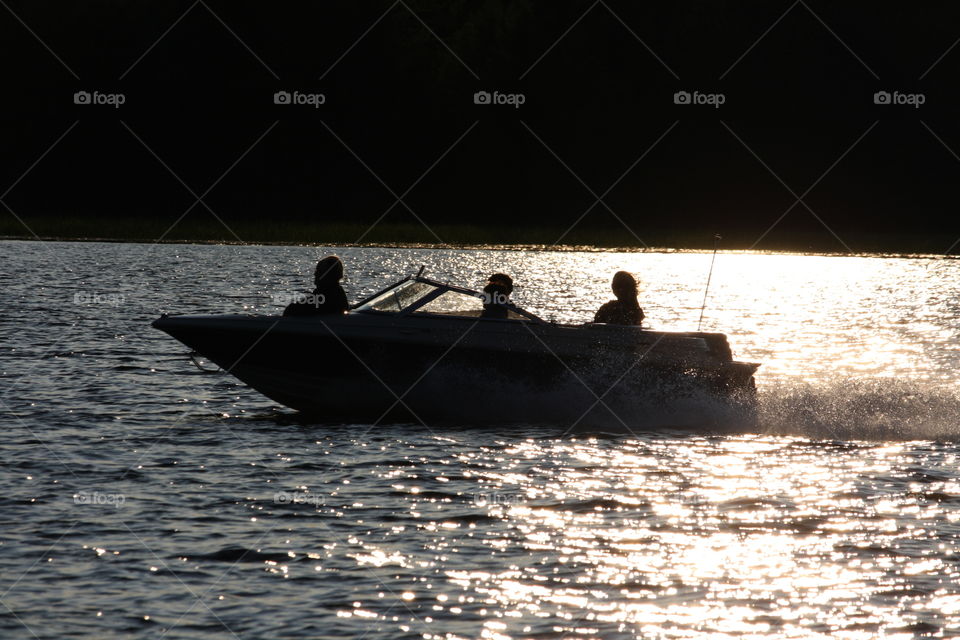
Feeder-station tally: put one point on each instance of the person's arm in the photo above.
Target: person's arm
(601, 316)
(341, 303)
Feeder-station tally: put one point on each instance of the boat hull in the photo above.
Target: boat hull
(375, 367)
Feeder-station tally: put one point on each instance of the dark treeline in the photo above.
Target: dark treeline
(202, 94)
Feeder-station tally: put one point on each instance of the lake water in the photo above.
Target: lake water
(140, 497)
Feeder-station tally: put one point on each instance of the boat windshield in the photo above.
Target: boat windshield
(422, 295)
(400, 297)
(453, 303)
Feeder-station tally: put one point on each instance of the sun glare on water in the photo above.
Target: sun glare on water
(666, 539)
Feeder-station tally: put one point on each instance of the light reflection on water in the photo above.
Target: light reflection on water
(801, 529)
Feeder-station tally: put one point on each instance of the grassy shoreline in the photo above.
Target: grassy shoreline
(460, 236)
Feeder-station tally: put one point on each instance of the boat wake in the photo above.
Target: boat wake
(856, 409)
(845, 409)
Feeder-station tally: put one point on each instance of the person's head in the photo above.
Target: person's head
(624, 285)
(503, 281)
(329, 271)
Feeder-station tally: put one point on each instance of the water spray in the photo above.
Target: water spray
(716, 244)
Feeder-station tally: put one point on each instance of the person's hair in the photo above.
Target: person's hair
(329, 271)
(503, 280)
(624, 285)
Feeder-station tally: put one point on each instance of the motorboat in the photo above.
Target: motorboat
(421, 349)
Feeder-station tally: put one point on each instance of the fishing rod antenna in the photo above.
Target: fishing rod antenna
(716, 244)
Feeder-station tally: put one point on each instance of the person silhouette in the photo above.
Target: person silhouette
(497, 296)
(625, 309)
(328, 297)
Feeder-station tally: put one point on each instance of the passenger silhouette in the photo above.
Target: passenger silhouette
(497, 296)
(625, 309)
(328, 296)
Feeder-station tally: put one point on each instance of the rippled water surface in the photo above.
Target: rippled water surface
(140, 497)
